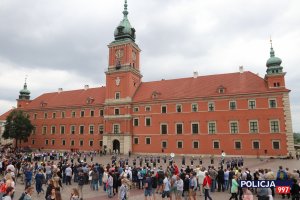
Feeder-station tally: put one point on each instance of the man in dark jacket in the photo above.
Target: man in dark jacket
(220, 179)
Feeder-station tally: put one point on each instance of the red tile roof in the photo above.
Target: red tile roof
(4, 115)
(69, 98)
(202, 86)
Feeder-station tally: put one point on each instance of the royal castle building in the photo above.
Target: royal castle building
(240, 113)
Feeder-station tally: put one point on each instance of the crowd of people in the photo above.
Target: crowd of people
(160, 177)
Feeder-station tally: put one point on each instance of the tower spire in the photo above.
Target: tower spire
(272, 52)
(125, 12)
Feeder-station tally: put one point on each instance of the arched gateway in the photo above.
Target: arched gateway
(116, 146)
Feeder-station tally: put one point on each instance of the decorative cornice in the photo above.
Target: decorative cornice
(124, 68)
(109, 102)
(113, 117)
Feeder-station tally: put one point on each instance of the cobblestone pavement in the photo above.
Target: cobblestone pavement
(135, 194)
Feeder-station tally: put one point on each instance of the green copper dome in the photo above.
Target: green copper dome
(124, 29)
(25, 91)
(273, 61)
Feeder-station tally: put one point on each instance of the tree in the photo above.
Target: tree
(296, 138)
(18, 126)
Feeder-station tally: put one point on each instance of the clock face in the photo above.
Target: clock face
(119, 53)
(133, 55)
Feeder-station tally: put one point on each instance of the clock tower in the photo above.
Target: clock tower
(123, 77)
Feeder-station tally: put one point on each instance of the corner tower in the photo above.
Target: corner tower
(275, 74)
(24, 97)
(123, 75)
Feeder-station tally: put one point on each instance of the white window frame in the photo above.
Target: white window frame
(82, 111)
(73, 114)
(214, 122)
(197, 141)
(44, 130)
(119, 128)
(53, 142)
(46, 142)
(270, 125)
(81, 145)
(279, 145)
(161, 109)
(138, 121)
(253, 144)
(182, 129)
(182, 144)
(272, 99)
(249, 104)
(146, 121)
(117, 94)
(71, 129)
(91, 126)
(238, 128)
(101, 125)
(138, 140)
(63, 114)
(146, 107)
(234, 146)
(80, 129)
(60, 128)
(53, 126)
(213, 144)
(146, 140)
(196, 104)
(249, 124)
(161, 143)
(232, 101)
(101, 112)
(213, 106)
(180, 106)
(161, 128)
(192, 128)
(115, 111)
(135, 109)
(93, 113)
(72, 145)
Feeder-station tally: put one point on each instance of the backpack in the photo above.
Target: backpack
(249, 177)
(3, 187)
(154, 182)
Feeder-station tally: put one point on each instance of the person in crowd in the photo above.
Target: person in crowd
(9, 193)
(74, 194)
(234, 188)
(207, 184)
(39, 181)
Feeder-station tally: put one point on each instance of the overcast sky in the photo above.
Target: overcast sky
(63, 43)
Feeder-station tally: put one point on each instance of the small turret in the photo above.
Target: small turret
(273, 63)
(24, 93)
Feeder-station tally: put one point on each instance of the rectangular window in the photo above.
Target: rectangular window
(116, 128)
(63, 142)
(101, 112)
(72, 142)
(82, 113)
(255, 145)
(163, 109)
(212, 127)
(195, 128)
(136, 109)
(44, 130)
(276, 144)
(81, 143)
(117, 95)
(45, 115)
(211, 106)
(81, 129)
(179, 144)
(72, 129)
(117, 111)
(274, 126)
(135, 140)
(101, 129)
(272, 103)
(196, 144)
(91, 143)
(237, 144)
(91, 129)
(253, 126)
(34, 116)
(53, 129)
(216, 144)
(148, 140)
(178, 108)
(32, 142)
(148, 108)
(164, 144)
(73, 114)
(136, 122)
(54, 115)
(33, 130)
(232, 105)
(194, 107)
(100, 143)
(92, 113)
(234, 127)
(46, 142)
(179, 128)
(63, 114)
(148, 121)
(251, 104)
(164, 129)
(62, 129)
(52, 142)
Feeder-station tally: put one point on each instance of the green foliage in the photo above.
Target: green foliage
(297, 138)
(17, 126)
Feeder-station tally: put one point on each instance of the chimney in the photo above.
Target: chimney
(60, 90)
(241, 69)
(195, 74)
